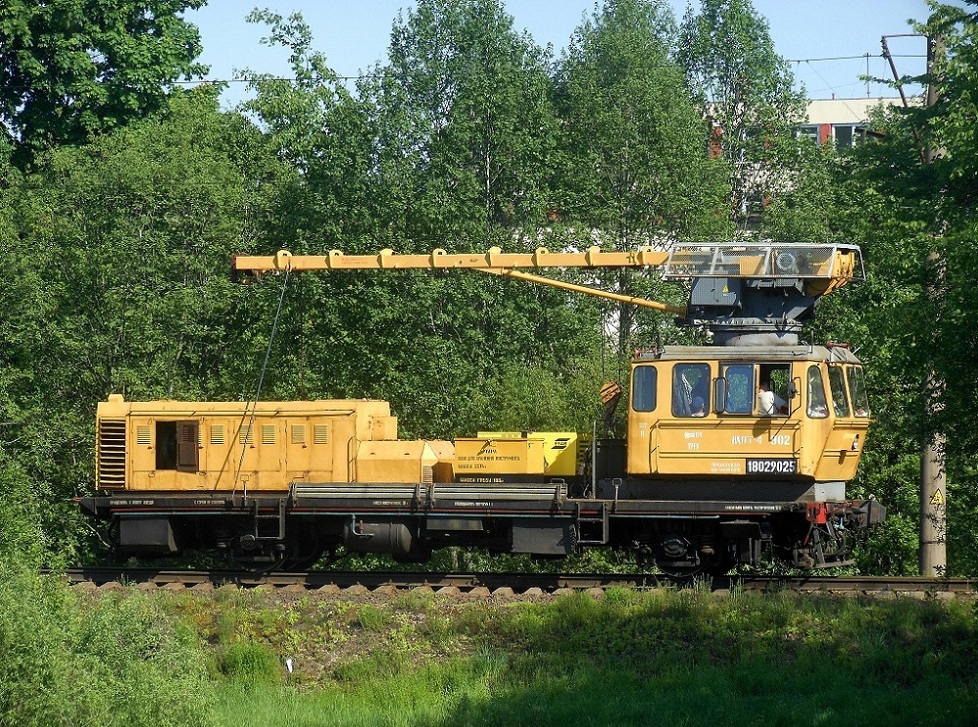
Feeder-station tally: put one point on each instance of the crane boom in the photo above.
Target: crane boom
(494, 259)
(740, 290)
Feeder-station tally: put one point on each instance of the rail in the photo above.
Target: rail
(520, 583)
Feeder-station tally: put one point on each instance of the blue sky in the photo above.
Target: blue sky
(354, 35)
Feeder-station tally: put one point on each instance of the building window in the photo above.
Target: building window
(808, 131)
(844, 135)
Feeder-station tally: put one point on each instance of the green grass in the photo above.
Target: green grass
(114, 658)
(630, 658)
(677, 658)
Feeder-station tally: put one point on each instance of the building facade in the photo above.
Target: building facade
(841, 121)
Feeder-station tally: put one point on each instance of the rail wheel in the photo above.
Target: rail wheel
(257, 557)
(302, 553)
(682, 558)
(293, 554)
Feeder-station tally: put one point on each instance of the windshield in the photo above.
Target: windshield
(840, 400)
(818, 408)
(857, 390)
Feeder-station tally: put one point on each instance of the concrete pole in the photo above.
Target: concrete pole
(933, 480)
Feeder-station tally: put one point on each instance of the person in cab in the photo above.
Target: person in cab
(769, 404)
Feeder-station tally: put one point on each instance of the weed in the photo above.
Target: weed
(249, 663)
(371, 618)
(415, 601)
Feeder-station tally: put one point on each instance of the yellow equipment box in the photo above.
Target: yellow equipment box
(550, 454)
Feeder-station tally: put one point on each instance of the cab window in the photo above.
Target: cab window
(644, 380)
(690, 390)
(840, 399)
(857, 391)
(818, 407)
(773, 390)
(739, 386)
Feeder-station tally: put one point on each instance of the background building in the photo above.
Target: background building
(841, 121)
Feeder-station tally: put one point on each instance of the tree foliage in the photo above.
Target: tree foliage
(745, 91)
(118, 258)
(465, 113)
(634, 164)
(72, 69)
(909, 198)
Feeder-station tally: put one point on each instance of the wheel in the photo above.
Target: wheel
(302, 553)
(256, 557)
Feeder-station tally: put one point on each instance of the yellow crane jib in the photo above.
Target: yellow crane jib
(439, 259)
(833, 264)
(737, 288)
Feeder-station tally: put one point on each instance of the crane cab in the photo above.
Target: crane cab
(793, 416)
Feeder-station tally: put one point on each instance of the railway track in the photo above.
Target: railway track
(483, 584)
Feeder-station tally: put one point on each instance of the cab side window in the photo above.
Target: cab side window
(690, 390)
(840, 399)
(739, 386)
(774, 390)
(644, 381)
(818, 407)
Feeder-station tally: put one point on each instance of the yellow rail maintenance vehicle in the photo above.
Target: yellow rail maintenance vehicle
(733, 453)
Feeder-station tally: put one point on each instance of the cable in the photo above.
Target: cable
(249, 434)
(204, 81)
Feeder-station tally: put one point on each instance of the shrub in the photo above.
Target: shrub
(248, 663)
(70, 658)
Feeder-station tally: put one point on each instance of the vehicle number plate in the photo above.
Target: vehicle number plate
(772, 466)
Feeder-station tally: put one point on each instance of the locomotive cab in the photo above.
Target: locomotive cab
(794, 417)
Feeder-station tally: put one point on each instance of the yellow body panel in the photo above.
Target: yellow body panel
(475, 457)
(229, 446)
(445, 467)
(561, 450)
(688, 418)
(709, 446)
(843, 447)
(387, 461)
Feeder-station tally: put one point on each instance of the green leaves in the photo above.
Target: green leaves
(914, 323)
(635, 162)
(73, 69)
(744, 89)
(118, 253)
